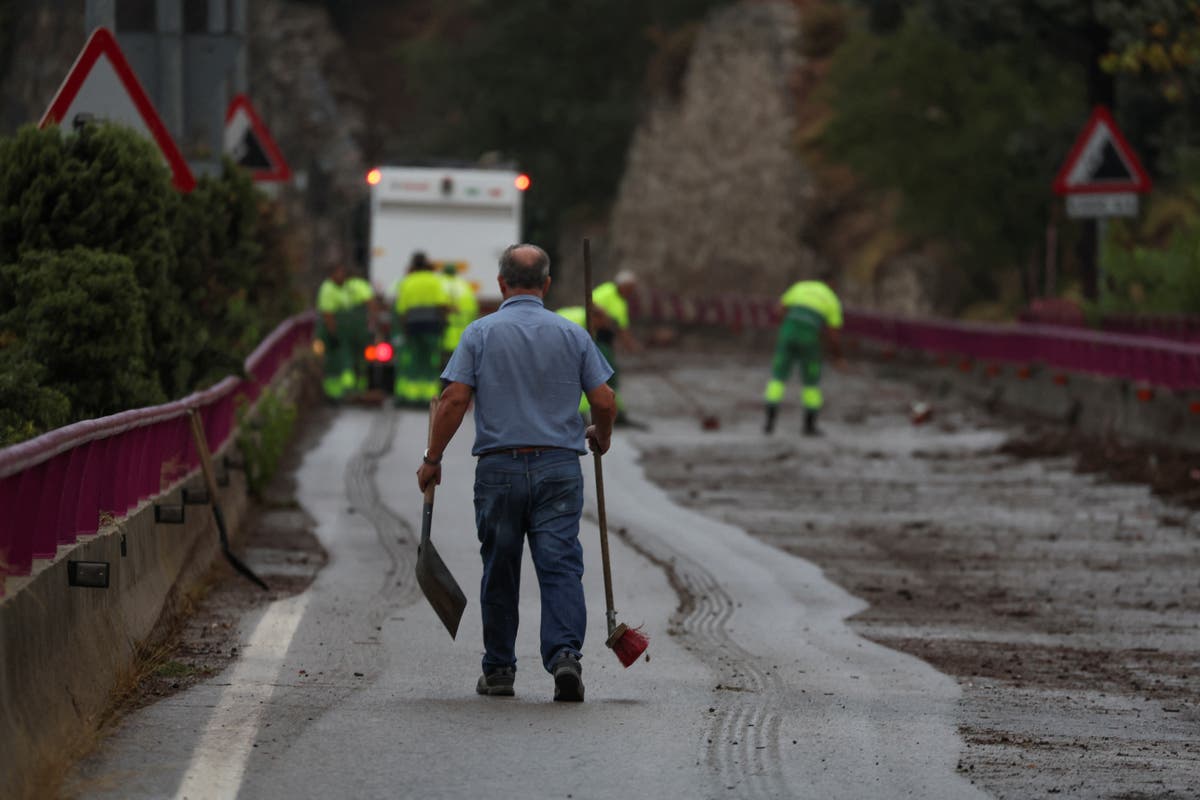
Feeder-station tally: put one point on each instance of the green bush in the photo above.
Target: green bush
(262, 439)
(1153, 280)
(27, 405)
(117, 291)
(80, 315)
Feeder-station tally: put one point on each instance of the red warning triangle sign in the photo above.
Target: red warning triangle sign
(101, 85)
(250, 144)
(1101, 161)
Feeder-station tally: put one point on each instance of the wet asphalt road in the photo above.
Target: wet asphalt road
(755, 686)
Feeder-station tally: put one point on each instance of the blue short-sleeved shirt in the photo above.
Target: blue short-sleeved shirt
(528, 367)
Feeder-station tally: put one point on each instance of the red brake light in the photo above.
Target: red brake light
(522, 182)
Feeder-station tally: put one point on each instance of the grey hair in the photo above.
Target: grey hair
(524, 273)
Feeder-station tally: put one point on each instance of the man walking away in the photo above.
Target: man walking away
(612, 297)
(526, 367)
(422, 306)
(333, 305)
(811, 312)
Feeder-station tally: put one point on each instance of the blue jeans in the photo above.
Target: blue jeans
(537, 494)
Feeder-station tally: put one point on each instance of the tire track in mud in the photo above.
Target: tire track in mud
(742, 738)
(395, 535)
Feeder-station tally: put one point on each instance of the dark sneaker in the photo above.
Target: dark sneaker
(498, 683)
(568, 679)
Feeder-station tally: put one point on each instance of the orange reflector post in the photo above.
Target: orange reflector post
(383, 352)
(374, 176)
(522, 182)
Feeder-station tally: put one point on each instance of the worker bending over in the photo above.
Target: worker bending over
(812, 316)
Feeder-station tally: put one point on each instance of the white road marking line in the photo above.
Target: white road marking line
(219, 761)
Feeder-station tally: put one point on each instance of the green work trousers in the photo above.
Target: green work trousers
(419, 368)
(338, 367)
(798, 345)
(355, 328)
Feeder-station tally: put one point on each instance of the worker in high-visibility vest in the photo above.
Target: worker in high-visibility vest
(812, 317)
(612, 298)
(361, 319)
(422, 307)
(333, 304)
(578, 315)
(464, 308)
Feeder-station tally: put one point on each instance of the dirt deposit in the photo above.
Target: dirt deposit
(1057, 579)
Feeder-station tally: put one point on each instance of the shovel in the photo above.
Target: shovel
(434, 578)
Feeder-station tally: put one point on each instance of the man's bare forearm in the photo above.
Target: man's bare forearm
(452, 407)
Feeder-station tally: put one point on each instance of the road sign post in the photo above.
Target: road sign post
(1101, 179)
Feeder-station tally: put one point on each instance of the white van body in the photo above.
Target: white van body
(465, 216)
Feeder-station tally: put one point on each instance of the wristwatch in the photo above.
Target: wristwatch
(425, 457)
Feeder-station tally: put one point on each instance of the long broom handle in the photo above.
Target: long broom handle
(610, 612)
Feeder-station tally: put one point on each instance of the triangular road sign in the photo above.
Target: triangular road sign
(250, 144)
(101, 85)
(1101, 161)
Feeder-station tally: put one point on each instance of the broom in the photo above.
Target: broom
(628, 643)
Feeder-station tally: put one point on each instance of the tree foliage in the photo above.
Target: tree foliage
(966, 138)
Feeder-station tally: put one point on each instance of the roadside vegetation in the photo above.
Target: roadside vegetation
(957, 116)
(117, 291)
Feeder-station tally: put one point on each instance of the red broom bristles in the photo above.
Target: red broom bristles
(629, 644)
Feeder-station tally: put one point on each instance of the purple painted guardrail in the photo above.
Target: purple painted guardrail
(55, 488)
(1154, 361)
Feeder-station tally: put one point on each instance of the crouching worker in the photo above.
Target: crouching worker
(812, 317)
(525, 367)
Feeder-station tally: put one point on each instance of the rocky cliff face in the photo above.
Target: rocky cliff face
(308, 94)
(714, 194)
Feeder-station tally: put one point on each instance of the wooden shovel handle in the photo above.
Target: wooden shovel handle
(433, 407)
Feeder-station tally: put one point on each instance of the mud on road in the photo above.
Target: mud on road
(1043, 572)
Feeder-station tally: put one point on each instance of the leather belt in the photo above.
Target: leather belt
(516, 451)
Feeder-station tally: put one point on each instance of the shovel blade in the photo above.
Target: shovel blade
(439, 587)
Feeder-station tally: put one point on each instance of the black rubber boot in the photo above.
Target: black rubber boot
(810, 423)
(769, 425)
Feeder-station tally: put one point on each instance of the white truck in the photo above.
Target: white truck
(464, 216)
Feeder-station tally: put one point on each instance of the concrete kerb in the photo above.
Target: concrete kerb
(1095, 405)
(66, 648)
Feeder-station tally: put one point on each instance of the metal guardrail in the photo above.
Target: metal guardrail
(1153, 361)
(58, 486)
